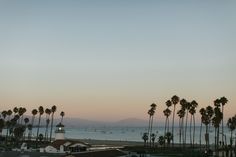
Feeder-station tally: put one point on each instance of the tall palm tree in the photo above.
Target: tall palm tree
(41, 111)
(207, 120)
(194, 105)
(26, 120)
(153, 108)
(183, 104)
(223, 101)
(48, 112)
(62, 114)
(231, 123)
(34, 113)
(187, 107)
(167, 113)
(175, 101)
(202, 111)
(181, 114)
(53, 109)
(216, 120)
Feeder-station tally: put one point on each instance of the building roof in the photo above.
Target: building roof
(104, 153)
(68, 143)
(60, 125)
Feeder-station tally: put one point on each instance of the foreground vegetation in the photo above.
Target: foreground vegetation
(211, 115)
(19, 128)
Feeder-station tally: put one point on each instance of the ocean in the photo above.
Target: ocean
(130, 133)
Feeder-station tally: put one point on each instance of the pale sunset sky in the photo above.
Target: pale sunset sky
(110, 59)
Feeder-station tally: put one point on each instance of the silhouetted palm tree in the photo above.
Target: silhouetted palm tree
(216, 120)
(2, 124)
(202, 111)
(161, 140)
(181, 114)
(168, 137)
(41, 111)
(174, 100)
(231, 123)
(15, 110)
(223, 101)
(153, 137)
(183, 104)
(48, 112)
(206, 120)
(145, 138)
(26, 120)
(167, 113)
(34, 113)
(62, 114)
(53, 109)
(192, 111)
(153, 108)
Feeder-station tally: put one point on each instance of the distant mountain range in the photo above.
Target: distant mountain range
(79, 122)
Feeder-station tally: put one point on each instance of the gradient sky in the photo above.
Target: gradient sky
(109, 60)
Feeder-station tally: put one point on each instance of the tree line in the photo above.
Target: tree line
(210, 115)
(17, 124)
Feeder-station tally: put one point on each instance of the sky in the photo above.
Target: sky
(109, 60)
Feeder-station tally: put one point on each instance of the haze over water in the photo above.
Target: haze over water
(109, 60)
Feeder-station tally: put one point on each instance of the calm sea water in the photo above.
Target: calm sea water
(128, 133)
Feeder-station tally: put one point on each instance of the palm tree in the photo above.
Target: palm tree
(174, 100)
(53, 109)
(41, 111)
(232, 126)
(223, 101)
(167, 113)
(26, 120)
(145, 138)
(183, 104)
(8, 123)
(187, 107)
(153, 108)
(181, 114)
(62, 114)
(206, 119)
(153, 137)
(34, 113)
(168, 137)
(48, 112)
(216, 120)
(192, 111)
(161, 140)
(15, 110)
(2, 124)
(202, 112)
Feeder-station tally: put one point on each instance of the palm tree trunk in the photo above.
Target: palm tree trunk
(222, 124)
(218, 136)
(186, 125)
(173, 122)
(190, 131)
(32, 123)
(149, 128)
(151, 131)
(51, 127)
(182, 129)
(193, 131)
(200, 136)
(179, 130)
(38, 130)
(165, 131)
